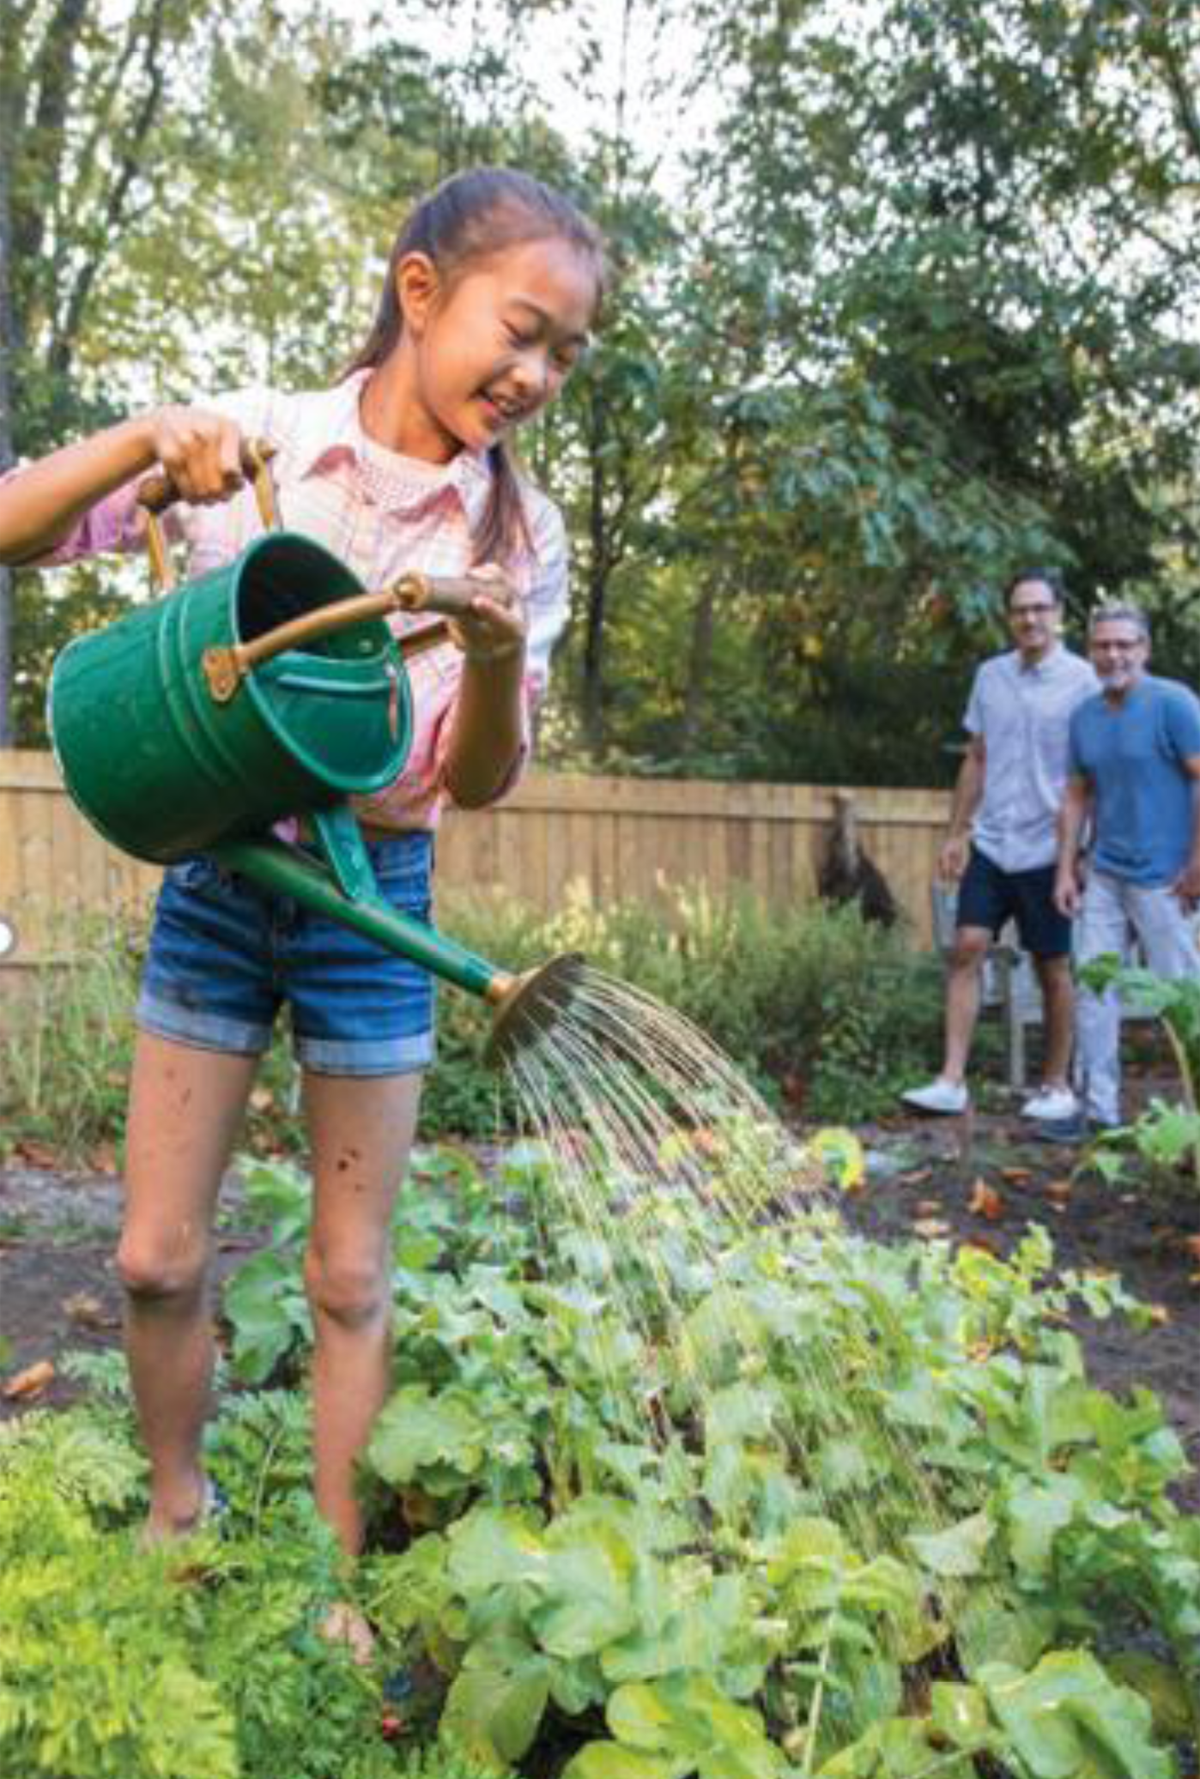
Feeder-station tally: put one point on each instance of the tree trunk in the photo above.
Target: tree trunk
(8, 346)
(592, 690)
(699, 661)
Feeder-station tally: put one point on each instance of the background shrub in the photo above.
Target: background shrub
(822, 1011)
(817, 1006)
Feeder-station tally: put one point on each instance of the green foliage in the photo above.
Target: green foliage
(66, 1048)
(676, 1493)
(717, 1586)
(1166, 1136)
(838, 1010)
(202, 1662)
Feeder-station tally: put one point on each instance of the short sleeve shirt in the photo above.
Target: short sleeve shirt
(381, 514)
(1133, 755)
(1022, 715)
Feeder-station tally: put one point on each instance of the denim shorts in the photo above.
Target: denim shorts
(224, 955)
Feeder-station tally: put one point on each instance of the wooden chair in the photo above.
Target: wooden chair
(1009, 981)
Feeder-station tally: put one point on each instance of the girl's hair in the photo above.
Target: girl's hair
(469, 217)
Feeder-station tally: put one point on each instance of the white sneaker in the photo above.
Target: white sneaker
(943, 1096)
(1051, 1103)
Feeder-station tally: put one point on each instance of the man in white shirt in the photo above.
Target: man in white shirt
(1002, 845)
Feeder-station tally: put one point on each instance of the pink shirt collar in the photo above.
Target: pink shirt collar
(331, 433)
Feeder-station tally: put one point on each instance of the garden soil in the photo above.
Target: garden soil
(979, 1179)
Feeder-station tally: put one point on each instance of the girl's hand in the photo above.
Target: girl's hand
(494, 628)
(201, 452)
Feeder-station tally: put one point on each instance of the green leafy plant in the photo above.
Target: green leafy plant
(1166, 1134)
(812, 1003)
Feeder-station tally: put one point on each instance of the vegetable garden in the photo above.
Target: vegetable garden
(741, 1581)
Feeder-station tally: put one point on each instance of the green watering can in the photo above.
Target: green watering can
(270, 687)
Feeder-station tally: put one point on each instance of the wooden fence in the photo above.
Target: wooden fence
(619, 837)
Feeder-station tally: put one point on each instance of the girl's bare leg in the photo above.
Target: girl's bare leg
(361, 1129)
(185, 1110)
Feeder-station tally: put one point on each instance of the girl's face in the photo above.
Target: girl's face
(489, 350)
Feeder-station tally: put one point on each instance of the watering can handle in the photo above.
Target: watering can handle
(225, 668)
(158, 492)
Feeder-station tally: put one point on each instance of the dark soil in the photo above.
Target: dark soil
(984, 1179)
(978, 1179)
(59, 1291)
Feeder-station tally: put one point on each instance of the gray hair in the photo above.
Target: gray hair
(1119, 614)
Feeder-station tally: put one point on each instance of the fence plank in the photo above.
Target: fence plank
(620, 837)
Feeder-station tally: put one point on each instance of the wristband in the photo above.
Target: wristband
(501, 652)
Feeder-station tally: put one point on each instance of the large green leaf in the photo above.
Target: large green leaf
(959, 1551)
(497, 1700)
(1037, 1513)
(1069, 1720)
(495, 1547)
(419, 1432)
(687, 1715)
(608, 1760)
(588, 1598)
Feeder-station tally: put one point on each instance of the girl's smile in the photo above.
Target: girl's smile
(483, 353)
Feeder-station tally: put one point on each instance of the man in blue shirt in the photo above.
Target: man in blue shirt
(1134, 770)
(1001, 845)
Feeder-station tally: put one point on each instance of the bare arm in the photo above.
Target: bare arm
(1187, 884)
(41, 503)
(1072, 820)
(488, 731)
(968, 793)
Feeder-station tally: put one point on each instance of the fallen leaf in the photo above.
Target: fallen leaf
(985, 1201)
(1160, 1315)
(927, 1207)
(929, 1228)
(1016, 1176)
(30, 1382)
(917, 1178)
(1191, 1244)
(1059, 1192)
(985, 1242)
(37, 1154)
(88, 1311)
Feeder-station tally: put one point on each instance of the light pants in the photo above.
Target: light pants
(1115, 911)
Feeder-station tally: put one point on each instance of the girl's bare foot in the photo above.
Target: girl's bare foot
(178, 1516)
(344, 1623)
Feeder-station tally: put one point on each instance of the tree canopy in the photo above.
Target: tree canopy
(914, 308)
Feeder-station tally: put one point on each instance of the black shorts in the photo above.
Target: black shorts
(988, 897)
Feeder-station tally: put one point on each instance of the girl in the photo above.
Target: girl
(491, 289)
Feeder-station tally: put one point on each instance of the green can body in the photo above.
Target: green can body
(163, 769)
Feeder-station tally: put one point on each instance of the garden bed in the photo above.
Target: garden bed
(693, 1494)
(980, 1181)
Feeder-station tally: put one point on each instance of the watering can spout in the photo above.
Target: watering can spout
(529, 1004)
(524, 1005)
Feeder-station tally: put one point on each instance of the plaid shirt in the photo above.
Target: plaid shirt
(380, 514)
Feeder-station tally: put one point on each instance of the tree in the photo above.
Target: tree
(83, 87)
